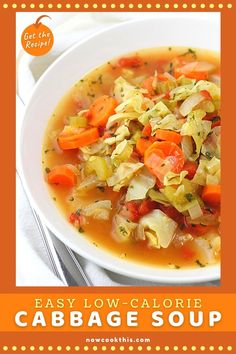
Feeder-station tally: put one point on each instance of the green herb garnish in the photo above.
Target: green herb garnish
(200, 264)
(215, 119)
(123, 230)
(78, 212)
(190, 51)
(208, 155)
(189, 197)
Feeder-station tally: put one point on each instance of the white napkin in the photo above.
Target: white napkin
(32, 265)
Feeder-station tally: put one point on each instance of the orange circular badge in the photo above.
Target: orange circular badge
(37, 39)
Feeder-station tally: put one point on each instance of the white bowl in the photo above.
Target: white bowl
(189, 30)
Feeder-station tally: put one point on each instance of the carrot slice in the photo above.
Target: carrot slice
(143, 144)
(162, 157)
(211, 194)
(162, 77)
(75, 141)
(147, 84)
(62, 175)
(101, 109)
(147, 130)
(168, 135)
(188, 71)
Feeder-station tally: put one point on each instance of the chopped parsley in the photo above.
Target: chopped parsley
(200, 264)
(190, 51)
(171, 68)
(215, 119)
(47, 170)
(81, 230)
(208, 155)
(122, 230)
(189, 197)
(78, 212)
(100, 79)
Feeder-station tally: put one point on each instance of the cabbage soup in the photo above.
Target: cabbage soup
(131, 155)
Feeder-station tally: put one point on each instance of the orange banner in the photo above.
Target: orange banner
(122, 312)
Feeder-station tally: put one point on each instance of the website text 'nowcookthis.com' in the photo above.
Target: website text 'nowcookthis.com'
(118, 340)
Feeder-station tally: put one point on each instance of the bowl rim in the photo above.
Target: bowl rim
(165, 275)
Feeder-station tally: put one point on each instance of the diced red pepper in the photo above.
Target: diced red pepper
(196, 229)
(206, 95)
(187, 252)
(75, 218)
(147, 206)
(133, 211)
(172, 213)
(147, 130)
(191, 168)
(167, 95)
(162, 77)
(130, 62)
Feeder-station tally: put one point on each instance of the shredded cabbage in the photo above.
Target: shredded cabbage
(211, 146)
(100, 165)
(123, 90)
(121, 133)
(212, 88)
(184, 197)
(159, 229)
(123, 175)
(90, 182)
(123, 118)
(187, 146)
(197, 128)
(169, 122)
(159, 110)
(174, 178)
(98, 210)
(140, 185)
(158, 196)
(122, 228)
(208, 172)
(180, 93)
(121, 153)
